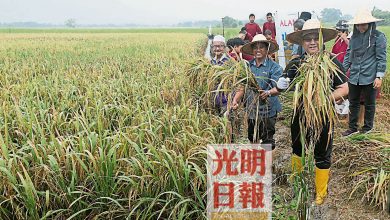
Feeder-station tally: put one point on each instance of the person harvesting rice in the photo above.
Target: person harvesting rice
(319, 81)
(262, 108)
(220, 57)
(218, 47)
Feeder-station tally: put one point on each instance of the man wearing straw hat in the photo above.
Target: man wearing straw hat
(262, 106)
(308, 37)
(366, 59)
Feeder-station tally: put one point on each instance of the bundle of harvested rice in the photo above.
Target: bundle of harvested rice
(208, 80)
(313, 94)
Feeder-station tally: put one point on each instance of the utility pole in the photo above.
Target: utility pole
(223, 27)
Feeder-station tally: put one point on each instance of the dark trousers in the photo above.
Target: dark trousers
(265, 130)
(322, 149)
(369, 94)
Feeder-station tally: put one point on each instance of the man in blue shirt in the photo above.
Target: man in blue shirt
(262, 106)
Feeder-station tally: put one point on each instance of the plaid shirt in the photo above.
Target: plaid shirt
(220, 98)
(221, 61)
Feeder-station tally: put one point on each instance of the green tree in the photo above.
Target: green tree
(70, 23)
(331, 14)
(382, 15)
(230, 22)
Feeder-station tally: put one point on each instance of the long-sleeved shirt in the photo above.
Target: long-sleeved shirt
(248, 37)
(253, 29)
(368, 63)
(293, 66)
(267, 74)
(219, 62)
(339, 49)
(270, 26)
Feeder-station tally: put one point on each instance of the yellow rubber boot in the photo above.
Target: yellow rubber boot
(296, 164)
(322, 178)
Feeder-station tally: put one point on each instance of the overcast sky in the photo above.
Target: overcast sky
(160, 12)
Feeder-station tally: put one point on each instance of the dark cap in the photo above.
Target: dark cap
(305, 15)
(243, 30)
(235, 42)
(342, 25)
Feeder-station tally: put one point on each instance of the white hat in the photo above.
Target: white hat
(247, 48)
(219, 38)
(311, 26)
(364, 16)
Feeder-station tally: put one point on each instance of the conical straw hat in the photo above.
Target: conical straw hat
(364, 16)
(311, 26)
(247, 48)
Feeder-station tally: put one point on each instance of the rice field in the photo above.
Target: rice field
(101, 124)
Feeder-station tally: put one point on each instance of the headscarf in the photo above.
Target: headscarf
(362, 41)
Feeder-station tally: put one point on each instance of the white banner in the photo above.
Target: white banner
(284, 24)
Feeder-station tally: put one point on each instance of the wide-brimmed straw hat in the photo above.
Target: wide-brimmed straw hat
(311, 26)
(364, 16)
(272, 48)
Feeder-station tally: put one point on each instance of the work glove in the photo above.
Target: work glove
(283, 83)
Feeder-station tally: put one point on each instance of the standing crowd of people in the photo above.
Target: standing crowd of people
(359, 55)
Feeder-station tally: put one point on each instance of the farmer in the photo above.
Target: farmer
(252, 27)
(366, 59)
(235, 45)
(220, 57)
(262, 106)
(270, 25)
(219, 52)
(308, 37)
